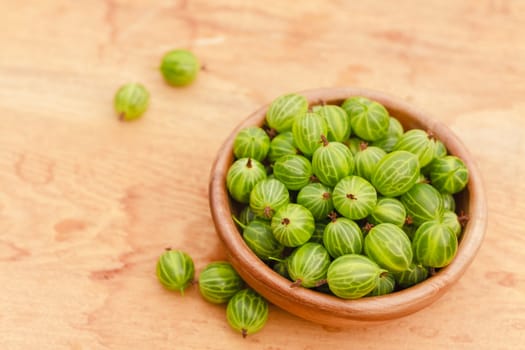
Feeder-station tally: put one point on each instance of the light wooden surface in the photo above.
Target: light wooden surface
(87, 203)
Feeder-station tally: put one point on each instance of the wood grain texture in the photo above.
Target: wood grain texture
(87, 203)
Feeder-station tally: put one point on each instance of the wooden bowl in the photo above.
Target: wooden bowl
(327, 309)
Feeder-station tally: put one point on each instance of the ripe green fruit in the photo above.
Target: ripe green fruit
(284, 110)
(307, 131)
(317, 236)
(219, 281)
(353, 276)
(385, 285)
(420, 143)
(175, 270)
(247, 312)
(308, 264)
(415, 274)
(331, 162)
(449, 203)
(179, 67)
(293, 225)
(267, 197)
(395, 173)
(366, 161)
(131, 101)
(251, 142)
(389, 246)
(422, 203)
(317, 198)
(355, 144)
(369, 119)
(434, 244)
(259, 238)
(451, 220)
(281, 145)
(342, 236)
(337, 122)
(293, 170)
(354, 197)
(388, 210)
(449, 174)
(246, 215)
(242, 176)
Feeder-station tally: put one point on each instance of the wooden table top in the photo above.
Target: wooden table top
(87, 203)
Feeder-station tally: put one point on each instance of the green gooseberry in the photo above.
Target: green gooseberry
(366, 161)
(219, 281)
(422, 203)
(331, 162)
(389, 246)
(242, 177)
(415, 274)
(418, 142)
(354, 197)
(451, 220)
(308, 264)
(388, 210)
(355, 144)
(385, 285)
(247, 312)
(337, 122)
(342, 236)
(449, 174)
(258, 236)
(281, 267)
(307, 131)
(369, 119)
(317, 198)
(282, 144)
(353, 276)
(395, 130)
(179, 67)
(396, 173)
(317, 236)
(131, 101)
(293, 170)
(246, 215)
(449, 203)
(175, 270)
(267, 197)
(434, 244)
(251, 142)
(293, 225)
(284, 110)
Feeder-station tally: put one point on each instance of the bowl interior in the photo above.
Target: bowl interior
(328, 309)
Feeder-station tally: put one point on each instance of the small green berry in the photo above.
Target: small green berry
(131, 101)
(175, 270)
(179, 67)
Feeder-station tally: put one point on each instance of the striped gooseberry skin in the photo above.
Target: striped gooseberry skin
(395, 173)
(175, 270)
(450, 219)
(434, 244)
(293, 225)
(354, 197)
(317, 198)
(247, 312)
(342, 236)
(385, 285)
(242, 177)
(423, 203)
(449, 203)
(415, 274)
(388, 210)
(281, 267)
(284, 110)
(251, 142)
(282, 144)
(337, 122)
(331, 162)
(449, 174)
(353, 276)
(369, 119)
(317, 236)
(293, 170)
(418, 142)
(389, 246)
(308, 264)
(395, 130)
(307, 131)
(259, 238)
(355, 144)
(246, 215)
(366, 161)
(267, 197)
(219, 281)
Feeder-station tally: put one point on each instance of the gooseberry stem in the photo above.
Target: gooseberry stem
(296, 283)
(333, 216)
(324, 140)
(238, 222)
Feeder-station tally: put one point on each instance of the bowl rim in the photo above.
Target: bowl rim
(328, 309)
